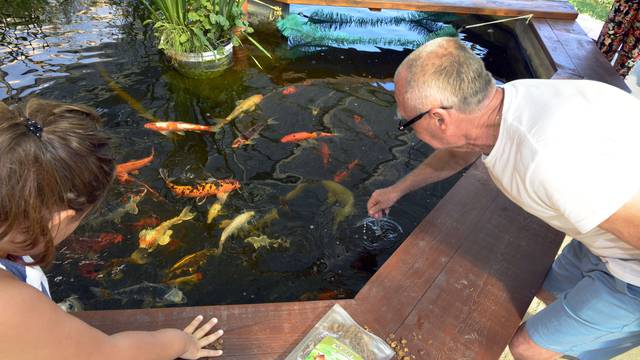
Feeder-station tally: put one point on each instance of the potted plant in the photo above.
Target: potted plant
(198, 36)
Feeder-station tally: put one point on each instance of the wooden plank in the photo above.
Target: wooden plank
(256, 330)
(551, 9)
(556, 53)
(588, 60)
(424, 254)
(474, 307)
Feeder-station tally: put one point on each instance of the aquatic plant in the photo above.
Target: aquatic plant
(193, 26)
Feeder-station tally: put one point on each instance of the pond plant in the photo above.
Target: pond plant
(200, 31)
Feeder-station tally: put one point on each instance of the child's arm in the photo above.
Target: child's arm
(33, 327)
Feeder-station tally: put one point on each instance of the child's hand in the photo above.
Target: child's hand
(200, 341)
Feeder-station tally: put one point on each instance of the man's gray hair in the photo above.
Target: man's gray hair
(444, 70)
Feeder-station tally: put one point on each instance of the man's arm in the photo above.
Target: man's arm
(625, 223)
(438, 166)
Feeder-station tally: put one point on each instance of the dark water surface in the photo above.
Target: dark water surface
(73, 54)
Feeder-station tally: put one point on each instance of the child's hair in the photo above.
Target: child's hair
(62, 163)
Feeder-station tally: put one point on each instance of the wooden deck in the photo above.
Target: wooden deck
(550, 9)
(457, 288)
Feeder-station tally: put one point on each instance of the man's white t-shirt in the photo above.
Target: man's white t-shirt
(568, 152)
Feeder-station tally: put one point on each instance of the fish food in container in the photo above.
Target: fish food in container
(338, 337)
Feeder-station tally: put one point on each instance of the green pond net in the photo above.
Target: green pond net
(323, 28)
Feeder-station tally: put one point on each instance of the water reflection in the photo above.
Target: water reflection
(40, 37)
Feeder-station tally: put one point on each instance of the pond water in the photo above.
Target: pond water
(299, 245)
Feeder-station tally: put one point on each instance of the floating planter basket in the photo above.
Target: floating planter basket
(202, 65)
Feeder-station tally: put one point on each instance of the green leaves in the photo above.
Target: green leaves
(198, 25)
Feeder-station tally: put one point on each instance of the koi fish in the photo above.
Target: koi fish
(342, 174)
(123, 170)
(293, 193)
(324, 152)
(185, 282)
(266, 220)
(289, 90)
(243, 106)
(264, 241)
(151, 294)
(167, 127)
(105, 240)
(71, 304)
(342, 195)
(248, 136)
(161, 235)
(214, 210)
(147, 222)
(190, 263)
(224, 223)
(303, 135)
(363, 126)
(202, 189)
(237, 223)
(87, 269)
(135, 104)
(130, 208)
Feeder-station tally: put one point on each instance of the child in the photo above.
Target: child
(54, 169)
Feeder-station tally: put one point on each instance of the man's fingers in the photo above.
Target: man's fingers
(209, 353)
(210, 338)
(205, 328)
(193, 325)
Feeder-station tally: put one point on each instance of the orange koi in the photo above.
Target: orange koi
(363, 126)
(147, 222)
(123, 170)
(341, 175)
(201, 190)
(324, 152)
(105, 240)
(289, 90)
(87, 269)
(166, 127)
(303, 135)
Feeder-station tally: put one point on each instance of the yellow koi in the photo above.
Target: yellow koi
(161, 235)
(343, 196)
(237, 223)
(243, 106)
(135, 104)
(214, 210)
(185, 282)
(190, 263)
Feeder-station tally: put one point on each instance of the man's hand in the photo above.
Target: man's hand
(199, 339)
(381, 200)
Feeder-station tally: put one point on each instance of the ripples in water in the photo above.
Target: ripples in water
(379, 234)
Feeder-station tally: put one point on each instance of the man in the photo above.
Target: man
(558, 150)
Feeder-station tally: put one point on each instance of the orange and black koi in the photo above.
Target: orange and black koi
(201, 190)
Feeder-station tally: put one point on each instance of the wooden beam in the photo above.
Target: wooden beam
(550, 9)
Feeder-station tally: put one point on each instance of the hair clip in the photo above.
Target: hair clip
(34, 128)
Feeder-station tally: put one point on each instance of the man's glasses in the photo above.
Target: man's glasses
(406, 124)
